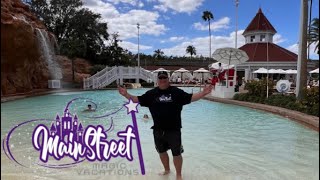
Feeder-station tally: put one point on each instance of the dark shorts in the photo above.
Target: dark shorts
(165, 140)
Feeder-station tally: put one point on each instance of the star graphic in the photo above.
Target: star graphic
(131, 106)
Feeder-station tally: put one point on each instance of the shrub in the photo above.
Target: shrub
(280, 100)
(259, 88)
(309, 105)
(241, 97)
(314, 110)
(311, 96)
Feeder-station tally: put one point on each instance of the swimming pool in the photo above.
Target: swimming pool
(220, 141)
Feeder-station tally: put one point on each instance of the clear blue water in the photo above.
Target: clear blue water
(220, 141)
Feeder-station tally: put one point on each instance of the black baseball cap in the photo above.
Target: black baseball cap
(162, 74)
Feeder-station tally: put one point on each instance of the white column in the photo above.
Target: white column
(246, 74)
(137, 74)
(121, 75)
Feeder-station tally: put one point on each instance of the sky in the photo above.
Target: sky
(172, 25)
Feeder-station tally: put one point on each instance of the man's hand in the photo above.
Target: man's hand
(123, 91)
(207, 89)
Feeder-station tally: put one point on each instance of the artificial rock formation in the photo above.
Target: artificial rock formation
(22, 65)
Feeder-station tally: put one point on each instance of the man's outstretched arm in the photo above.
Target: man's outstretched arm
(123, 91)
(197, 96)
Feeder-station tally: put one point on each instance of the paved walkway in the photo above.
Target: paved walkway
(307, 120)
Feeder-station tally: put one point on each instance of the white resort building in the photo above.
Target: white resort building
(262, 52)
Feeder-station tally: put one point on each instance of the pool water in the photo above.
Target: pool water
(221, 141)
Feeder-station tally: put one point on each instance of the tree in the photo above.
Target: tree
(68, 19)
(191, 50)
(313, 36)
(75, 47)
(158, 54)
(207, 16)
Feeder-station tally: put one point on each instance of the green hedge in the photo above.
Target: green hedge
(309, 105)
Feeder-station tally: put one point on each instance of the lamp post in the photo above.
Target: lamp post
(138, 79)
(237, 4)
(138, 26)
(236, 40)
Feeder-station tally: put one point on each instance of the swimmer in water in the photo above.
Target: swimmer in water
(89, 108)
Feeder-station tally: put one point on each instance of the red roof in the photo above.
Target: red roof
(258, 52)
(260, 23)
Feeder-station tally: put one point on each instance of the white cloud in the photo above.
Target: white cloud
(131, 2)
(126, 23)
(174, 39)
(181, 6)
(162, 8)
(220, 24)
(295, 48)
(202, 44)
(277, 39)
(133, 47)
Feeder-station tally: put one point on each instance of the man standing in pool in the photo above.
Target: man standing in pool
(165, 103)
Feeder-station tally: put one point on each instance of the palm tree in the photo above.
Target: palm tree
(158, 53)
(313, 36)
(309, 24)
(207, 16)
(191, 50)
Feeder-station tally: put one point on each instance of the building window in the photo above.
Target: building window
(68, 125)
(65, 125)
(252, 38)
(262, 38)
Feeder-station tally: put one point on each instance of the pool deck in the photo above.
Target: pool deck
(304, 119)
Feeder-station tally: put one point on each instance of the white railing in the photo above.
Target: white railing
(111, 74)
(146, 75)
(88, 82)
(105, 79)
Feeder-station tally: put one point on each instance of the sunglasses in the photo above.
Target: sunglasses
(162, 77)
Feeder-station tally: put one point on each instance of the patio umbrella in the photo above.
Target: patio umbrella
(316, 71)
(290, 71)
(201, 73)
(155, 73)
(183, 73)
(230, 56)
(160, 69)
(261, 71)
(281, 71)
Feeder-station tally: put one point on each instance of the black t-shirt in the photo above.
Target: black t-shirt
(165, 106)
